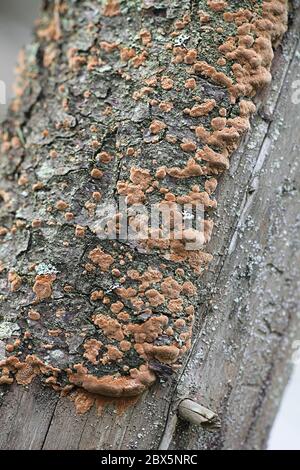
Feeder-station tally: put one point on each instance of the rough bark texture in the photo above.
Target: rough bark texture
(246, 304)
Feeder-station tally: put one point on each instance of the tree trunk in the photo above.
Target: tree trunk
(88, 113)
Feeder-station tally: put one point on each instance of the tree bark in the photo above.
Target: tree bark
(76, 107)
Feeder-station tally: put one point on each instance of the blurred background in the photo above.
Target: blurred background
(15, 31)
(16, 19)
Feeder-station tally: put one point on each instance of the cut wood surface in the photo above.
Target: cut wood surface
(248, 315)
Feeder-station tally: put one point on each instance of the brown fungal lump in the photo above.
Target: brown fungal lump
(130, 117)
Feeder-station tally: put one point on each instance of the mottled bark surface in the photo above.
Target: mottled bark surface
(82, 110)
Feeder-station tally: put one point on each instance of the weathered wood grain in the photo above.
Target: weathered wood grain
(240, 361)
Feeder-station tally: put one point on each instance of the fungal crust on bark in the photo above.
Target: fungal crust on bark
(144, 101)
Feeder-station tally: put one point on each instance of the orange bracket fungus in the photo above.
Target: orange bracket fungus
(150, 112)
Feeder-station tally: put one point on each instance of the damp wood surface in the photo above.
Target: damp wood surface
(239, 362)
